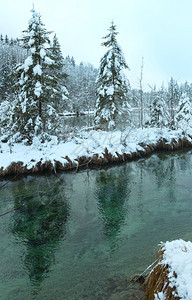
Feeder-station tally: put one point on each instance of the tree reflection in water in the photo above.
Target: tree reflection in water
(40, 222)
(113, 189)
(165, 173)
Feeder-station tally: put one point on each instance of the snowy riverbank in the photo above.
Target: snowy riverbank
(171, 277)
(89, 147)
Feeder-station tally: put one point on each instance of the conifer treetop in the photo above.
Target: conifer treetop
(114, 49)
(110, 39)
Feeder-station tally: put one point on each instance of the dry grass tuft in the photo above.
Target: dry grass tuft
(158, 281)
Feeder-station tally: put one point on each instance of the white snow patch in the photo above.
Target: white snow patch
(31, 42)
(33, 50)
(160, 296)
(178, 256)
(28, 62)
(38, 89)
(110, 90)
(42, 53)
(37, 70)
(48, 60)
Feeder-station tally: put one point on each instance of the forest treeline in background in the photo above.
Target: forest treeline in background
(38, 85)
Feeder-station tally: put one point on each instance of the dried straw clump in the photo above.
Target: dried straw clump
(158, 281)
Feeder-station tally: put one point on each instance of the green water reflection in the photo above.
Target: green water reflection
(84, 235)
(39, 222)
(112, 191)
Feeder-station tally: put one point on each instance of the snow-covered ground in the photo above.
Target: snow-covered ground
(85, 143)
(178, 255)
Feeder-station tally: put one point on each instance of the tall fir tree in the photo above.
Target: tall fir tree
(112, 84)
(60, 95)
(35, 114)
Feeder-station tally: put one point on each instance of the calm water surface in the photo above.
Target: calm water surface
(83, 236)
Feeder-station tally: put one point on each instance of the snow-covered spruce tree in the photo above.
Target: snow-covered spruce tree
(157, 109)
(60, 95)
(184, 113)
(112, 85)
(35, 114)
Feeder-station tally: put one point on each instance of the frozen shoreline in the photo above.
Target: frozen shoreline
(93, 148)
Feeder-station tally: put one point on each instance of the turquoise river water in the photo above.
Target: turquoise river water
(85, 235)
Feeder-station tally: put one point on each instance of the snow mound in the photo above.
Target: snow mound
(178, 256)
(172, 275)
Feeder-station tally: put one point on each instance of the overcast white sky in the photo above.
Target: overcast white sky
(158, 30)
